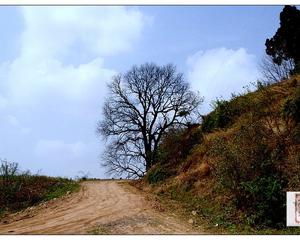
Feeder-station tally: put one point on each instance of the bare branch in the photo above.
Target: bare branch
(143, 103)
(273, 72)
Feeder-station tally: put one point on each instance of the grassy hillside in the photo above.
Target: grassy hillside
(21, 190)
(232, 170)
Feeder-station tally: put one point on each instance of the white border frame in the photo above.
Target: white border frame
(148, 2)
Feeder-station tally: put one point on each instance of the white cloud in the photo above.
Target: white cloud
(51, 40)
(54, 31)
(3, 102)
(60, 158)
(220, 72)
(12, 120)
(15, 123)
(46, 148)
(32, 83)
(56, 85)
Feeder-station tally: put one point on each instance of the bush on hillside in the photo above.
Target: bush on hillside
(208, 123)
(291, 107)
(248, 168)
(177, 144)
(157, 174)
(223, 114)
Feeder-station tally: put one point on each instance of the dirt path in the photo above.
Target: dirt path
(103, 207)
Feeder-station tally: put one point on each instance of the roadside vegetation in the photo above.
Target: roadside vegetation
(232, 170)
(19, 190)
(229, 169)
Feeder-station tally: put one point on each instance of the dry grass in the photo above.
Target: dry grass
(195, 186)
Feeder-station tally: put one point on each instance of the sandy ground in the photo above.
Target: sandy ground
(100, 207)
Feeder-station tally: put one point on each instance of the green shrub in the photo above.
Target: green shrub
(177, 144)
(291, 107)
(247, 167)
(222, 116)
(224, 113)
(208, 123)
(262, 196)
(156, 175)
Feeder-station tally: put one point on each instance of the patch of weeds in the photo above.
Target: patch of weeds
(232, 228)
(62, 188)
(157, 175)
(2, 212)
(99, 231)
(20, 190)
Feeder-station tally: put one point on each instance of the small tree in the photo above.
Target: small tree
(273, 72)
(284, 45)
(8, 169)
(142, 105)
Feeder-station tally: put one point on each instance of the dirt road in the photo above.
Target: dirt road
(102, 207)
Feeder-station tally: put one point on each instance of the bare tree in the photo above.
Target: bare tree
(273, 72)
(8, 169)
(142, 104)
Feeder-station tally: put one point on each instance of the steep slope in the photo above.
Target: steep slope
(234, 168)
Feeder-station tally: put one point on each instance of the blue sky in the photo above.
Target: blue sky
(55, 63)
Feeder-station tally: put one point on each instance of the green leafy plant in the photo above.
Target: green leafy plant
(222, 116)
(248, 169)
(157, 174)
